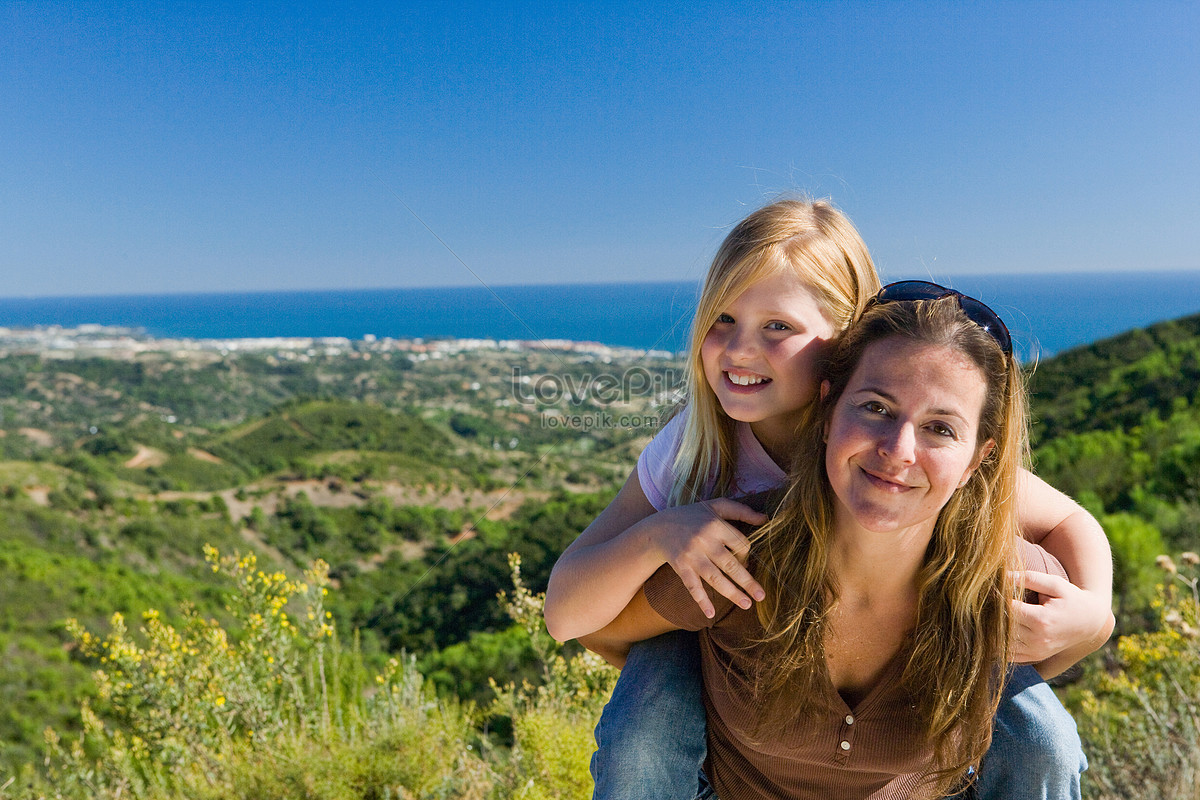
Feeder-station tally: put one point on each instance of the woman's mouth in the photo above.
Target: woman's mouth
(883, 482)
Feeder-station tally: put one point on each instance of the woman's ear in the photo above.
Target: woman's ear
(824, 389)
(985, 450)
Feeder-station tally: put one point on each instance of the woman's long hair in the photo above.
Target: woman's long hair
(960, 640)
(810, 240)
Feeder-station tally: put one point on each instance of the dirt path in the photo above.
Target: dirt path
(39, 494)
(204, 455)
(146, 457)
(38, 436)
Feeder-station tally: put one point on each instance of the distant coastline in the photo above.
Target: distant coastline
(1047, 313)
(651, 316)
(91, 340)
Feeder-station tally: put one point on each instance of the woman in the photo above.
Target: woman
(872, 667)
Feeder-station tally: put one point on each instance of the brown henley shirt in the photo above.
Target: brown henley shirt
(876, 750)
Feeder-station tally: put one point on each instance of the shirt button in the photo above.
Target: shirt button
(849, 719)
(845, 745)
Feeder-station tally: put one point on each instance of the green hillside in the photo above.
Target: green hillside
(1117, 424)
(1113, 384)
(119, 473)
(413, 480)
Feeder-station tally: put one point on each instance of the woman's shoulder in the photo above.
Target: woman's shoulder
(1036, 558)
(766, 501)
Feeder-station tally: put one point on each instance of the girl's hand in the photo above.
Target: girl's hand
(702, 547)
(1066, 619)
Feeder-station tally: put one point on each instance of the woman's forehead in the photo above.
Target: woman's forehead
(935, 375)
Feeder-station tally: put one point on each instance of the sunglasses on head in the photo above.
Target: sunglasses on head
(976, 311)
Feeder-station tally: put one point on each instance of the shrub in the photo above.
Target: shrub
(278, 709)
(552, 723)
(1135, 543)
(1141, 723)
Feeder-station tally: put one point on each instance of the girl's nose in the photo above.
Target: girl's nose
(899, 443)
(742, 342)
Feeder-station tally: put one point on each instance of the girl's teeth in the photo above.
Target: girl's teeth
(745, 380)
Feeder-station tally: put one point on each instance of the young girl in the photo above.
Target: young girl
(786, 280)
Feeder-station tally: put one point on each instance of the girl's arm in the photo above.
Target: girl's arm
(601, 571)
(637, 621)
(1075, 618)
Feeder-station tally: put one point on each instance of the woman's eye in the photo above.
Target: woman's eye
(942, 429)
(778, 326)
(875, 407)
(724, 318)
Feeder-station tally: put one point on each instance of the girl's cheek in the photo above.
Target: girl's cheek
(797, 347)
(710, 350)
(713, 340)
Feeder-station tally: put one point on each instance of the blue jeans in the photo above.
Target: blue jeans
(651, 737)
(1036, 753)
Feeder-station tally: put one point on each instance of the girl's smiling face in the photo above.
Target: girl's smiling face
(760, 355)
(903, 435)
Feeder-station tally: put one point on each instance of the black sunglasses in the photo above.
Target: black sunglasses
(976, 310)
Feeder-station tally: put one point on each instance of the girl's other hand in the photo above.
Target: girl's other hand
(702, 547)
(1060, 623)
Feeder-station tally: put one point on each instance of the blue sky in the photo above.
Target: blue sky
(178, 148)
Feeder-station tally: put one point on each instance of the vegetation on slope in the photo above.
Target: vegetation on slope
(412, 482)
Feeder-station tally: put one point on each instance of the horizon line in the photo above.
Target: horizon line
(547, 284)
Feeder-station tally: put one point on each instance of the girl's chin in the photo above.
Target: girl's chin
(739, 413)
(752, 413)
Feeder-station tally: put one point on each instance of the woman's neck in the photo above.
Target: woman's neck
(876, 567)
(876, 608)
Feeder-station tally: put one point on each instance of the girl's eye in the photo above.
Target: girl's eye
(778, 326)
(725, 318)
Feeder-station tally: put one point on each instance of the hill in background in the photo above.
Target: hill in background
(415, 477)
(1117, 425)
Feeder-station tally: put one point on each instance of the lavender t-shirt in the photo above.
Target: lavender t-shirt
(754, 472)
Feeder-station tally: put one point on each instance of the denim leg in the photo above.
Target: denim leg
(707, 792)
(651, 737)
(1036, 753)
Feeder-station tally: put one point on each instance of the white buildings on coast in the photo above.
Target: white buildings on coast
(93, 341)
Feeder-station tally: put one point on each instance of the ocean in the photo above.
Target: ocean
(1047, 314)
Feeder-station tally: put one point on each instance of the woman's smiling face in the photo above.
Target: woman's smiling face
(904, 434)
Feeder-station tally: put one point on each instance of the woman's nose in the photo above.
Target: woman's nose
(899, 443)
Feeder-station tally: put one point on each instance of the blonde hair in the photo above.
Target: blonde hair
(808, 239)
(960, 642)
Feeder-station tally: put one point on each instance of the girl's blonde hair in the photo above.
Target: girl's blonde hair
(807, 239)
(960, 643)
